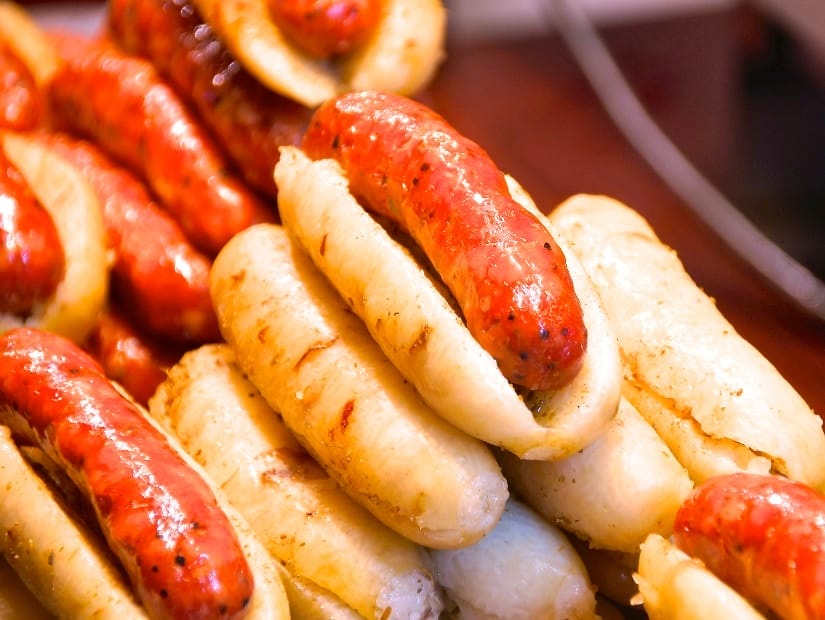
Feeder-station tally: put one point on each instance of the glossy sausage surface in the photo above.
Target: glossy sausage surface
(128, 356)
(151, 131)
(249, 120)
(21, 107)
(325, 28)
(158, 276)
(32, 261)
(764, 536)
(159, 516)
(505, 270)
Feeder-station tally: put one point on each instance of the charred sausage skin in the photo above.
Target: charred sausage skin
(763, 535)
(250, 121)
(120, 102)
(505, 270)
(159, 516)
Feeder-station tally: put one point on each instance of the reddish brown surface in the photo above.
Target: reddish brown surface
(250, 121)
(528, 104)
(158, 515)
(136, 361)
(121, 102)
(157, 275)
(325, 28)
(762, 535)
(503, 267)
(31, 254)
(20, 105)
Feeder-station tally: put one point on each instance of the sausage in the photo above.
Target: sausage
(127, 356)
(32, 261)
(250, 121)
(75, 211)
(158, 515)
(670, 582)
(57, 554)
(502, 265)
(325, 28)
(418, 329)
(763, 535)
(158, 275)
(21, 107)
(151, 131)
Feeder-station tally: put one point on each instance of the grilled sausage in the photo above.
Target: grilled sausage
(324, 28)
(32, 261)
(152, 132)
(159, 516)
(502, 265)
(764, 536)
(128, 356)
(249, 120)
(158, 276)
(21, 107)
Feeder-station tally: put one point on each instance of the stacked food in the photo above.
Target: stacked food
(292, 346)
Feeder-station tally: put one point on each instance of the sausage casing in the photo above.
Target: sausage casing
(326, 28)
(159, 516)
(21, 107)
(128, 356)
(500, 262)
(157, 276)
(763, 535)
(155, 134)
(32, 261)
(249, 120)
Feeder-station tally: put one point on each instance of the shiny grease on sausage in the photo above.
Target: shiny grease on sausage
(21, 105)
(159, 516)
(128, 355)
(505, 270)
(152, 132)
(325, 28)
(32, 261)
(158, 276)
(763, 535)
(250, 121)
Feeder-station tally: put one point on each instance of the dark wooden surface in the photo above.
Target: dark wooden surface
(528, 104)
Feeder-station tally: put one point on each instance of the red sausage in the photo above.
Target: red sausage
(501, 264)
(159, 516)
(158, 275)
(21, 107)
(249, 120)
(764, 536)
(325, 28)
(122, 104)
(32, 262)
(127, 356)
